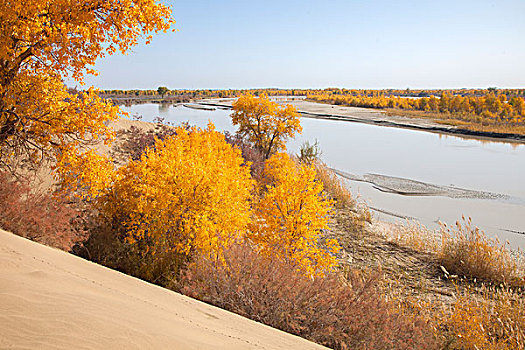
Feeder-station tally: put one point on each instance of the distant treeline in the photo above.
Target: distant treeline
(505, 107)
(208, 93)
(489, 109)
(188, 95)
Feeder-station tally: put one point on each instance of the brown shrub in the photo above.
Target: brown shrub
(468, 252)
(37, 216)
(106, 245)
(138, 140)
(249, 154)
(342, 313)
(333, 185)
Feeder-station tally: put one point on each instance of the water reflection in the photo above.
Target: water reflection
(164, 110)
(484, 141)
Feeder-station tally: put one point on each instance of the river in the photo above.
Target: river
(478, 179)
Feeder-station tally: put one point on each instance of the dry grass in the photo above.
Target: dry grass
(488, 318)
(463, 251)
(468, 252)
(494, 319)
(413, 235)
(342, 311)
(334, 187)
(337, 190)
(37, 216)
(487, 310)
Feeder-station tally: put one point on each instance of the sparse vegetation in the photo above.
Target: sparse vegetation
(468, 252)
(334, 186)
(486, 307)
(415, 236)
(309, 152)
(37, 215)
(342, 311)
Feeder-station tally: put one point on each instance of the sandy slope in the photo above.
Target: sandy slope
(51, 299)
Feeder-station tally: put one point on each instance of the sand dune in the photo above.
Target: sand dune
(51, 299)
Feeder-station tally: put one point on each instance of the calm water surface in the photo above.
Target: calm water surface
(436, 159)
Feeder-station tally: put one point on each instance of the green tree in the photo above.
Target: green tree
(162, 90)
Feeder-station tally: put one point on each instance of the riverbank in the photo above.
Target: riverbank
(72, 301)
(381, 118)
(408, 262)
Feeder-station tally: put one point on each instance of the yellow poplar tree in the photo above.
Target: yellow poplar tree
(191, 191)
(290, 216)
(44, 41)
(265, 123)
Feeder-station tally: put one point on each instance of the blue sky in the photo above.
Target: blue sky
(332, 43)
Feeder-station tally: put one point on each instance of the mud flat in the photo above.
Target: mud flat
(199, 106)
(408, 187)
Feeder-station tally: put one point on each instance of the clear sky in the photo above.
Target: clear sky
(333, 43)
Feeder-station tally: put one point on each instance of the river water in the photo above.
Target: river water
(496, 168)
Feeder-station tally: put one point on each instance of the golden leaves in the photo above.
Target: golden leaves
(265, 123)
(190, 192)
(290, 216)
(480, 110)
(65, 37)
(41, 116)
(43, 41)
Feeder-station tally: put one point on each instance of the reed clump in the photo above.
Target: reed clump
(467, 252)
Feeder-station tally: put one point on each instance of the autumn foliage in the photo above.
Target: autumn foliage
(41, 43)
(193, 192)
(483, 111)
(189, 192)
(290, 215)
(264, 123)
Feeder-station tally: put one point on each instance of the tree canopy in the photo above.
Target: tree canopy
(264, 123)
(290, 217)
(44, 41)
(162, 90)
